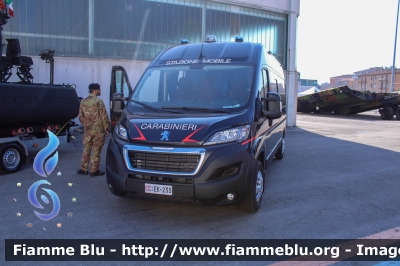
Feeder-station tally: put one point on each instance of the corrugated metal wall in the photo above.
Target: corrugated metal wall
(137, 29)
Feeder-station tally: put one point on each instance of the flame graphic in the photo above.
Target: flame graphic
(40, 158)
(34, 201)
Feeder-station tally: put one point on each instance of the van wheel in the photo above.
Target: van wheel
(279, 154)
(11, 158)
(387, 113)
(253, 198)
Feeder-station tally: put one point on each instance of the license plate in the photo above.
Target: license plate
(158, 189)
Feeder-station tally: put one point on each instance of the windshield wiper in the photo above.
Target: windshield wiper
(196, 109)
(154, 109)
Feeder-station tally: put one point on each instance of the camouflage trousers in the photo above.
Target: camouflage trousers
(92, 142)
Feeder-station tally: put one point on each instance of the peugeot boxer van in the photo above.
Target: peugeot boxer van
(203, 124)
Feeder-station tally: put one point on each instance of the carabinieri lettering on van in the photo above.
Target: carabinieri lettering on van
(182, 62)
(216, 61)
(168, 126)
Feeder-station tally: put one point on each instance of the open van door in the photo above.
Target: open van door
(119, 84)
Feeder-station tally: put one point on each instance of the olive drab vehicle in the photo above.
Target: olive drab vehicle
(202, 125)
(345, 101)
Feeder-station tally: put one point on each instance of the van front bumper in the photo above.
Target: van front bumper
(224, 169)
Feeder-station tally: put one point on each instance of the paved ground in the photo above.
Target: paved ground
(339, 179)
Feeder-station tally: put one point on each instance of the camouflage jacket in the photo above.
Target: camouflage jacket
(93, 114)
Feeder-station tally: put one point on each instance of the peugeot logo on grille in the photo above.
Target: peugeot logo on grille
(164, 135)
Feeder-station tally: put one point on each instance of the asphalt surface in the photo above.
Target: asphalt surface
(339, 179)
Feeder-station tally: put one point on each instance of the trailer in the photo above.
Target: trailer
(28, 111)
(345, 101)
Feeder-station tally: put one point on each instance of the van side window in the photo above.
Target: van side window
(261, 85)
(121, 83)
(282, 92)
(264, 86)
(273, 84)
(281, 86)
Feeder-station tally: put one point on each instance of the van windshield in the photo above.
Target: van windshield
(211, 88)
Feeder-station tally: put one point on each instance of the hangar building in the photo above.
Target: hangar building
(90, 36)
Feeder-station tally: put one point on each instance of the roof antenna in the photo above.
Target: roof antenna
(209, 39)
(201, 56)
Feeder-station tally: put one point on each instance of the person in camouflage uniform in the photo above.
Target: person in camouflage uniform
(94, 118)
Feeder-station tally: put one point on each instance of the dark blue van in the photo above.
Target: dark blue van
(202, 125)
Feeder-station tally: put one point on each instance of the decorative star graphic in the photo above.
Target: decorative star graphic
(59, 224)
(18, 214)
(29, 225)
(59, 173)
(19, 184)
(73, 199)
(70, 184)
(69, 214)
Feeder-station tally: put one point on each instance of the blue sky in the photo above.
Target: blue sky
(337, 37)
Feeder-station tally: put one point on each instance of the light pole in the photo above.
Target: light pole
(394, 53)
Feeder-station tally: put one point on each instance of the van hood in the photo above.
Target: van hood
(181, 130)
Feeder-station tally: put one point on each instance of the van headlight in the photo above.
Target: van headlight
(121, 132)
(238, 134)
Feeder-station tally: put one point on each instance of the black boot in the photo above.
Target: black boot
(81, 172)
(97, 173)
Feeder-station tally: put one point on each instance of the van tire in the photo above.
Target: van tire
(10, 158)
(281, 151)
(253, 198)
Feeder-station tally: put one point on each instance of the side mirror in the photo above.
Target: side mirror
(274, 105)
(117, 103)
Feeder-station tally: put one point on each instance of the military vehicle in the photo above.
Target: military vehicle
(343, 100)
(28, 111)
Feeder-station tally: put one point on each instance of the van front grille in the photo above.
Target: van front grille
(167, 162)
